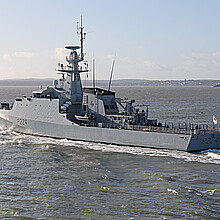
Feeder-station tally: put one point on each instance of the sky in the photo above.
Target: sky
(150, 39)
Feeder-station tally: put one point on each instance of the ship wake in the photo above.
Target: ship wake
(10, 138)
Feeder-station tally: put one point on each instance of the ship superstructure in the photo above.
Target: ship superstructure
(90, 106)
(67, 110)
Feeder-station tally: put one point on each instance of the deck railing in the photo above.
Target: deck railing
(193, 129)
(174, 130)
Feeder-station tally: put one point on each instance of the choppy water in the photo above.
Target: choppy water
(45, 178)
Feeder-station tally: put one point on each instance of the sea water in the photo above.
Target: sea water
(46, 178)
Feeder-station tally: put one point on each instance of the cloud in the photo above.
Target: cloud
(110, 56)
(153, 66)
(60, 54)
(203, 64)
(216, 56)
(13, 56)
(6, 57)
(195, 65)
(24, 54)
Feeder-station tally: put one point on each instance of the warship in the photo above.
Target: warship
(216, 85)
(68, 110)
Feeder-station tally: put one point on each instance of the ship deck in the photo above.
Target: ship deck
(204, 129)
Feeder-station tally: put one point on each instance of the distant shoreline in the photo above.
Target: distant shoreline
(121, 82)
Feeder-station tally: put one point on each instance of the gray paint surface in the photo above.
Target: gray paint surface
(62, 128)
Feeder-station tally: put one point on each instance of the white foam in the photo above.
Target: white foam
(208, 156)
(209, 192)
(172, 191)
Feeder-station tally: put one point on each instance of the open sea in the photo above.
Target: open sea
(46, 178)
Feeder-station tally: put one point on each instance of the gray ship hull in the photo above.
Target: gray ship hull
(69, 130)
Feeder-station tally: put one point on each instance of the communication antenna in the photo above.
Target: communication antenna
(112, 70)
(80, 32)
(93, 75)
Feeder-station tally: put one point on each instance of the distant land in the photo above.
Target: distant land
(120, 82)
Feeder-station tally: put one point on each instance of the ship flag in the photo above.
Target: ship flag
(214, 120)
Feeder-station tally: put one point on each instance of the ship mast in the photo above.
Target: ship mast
(82, 37)
(73, 69)
(110, 80)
